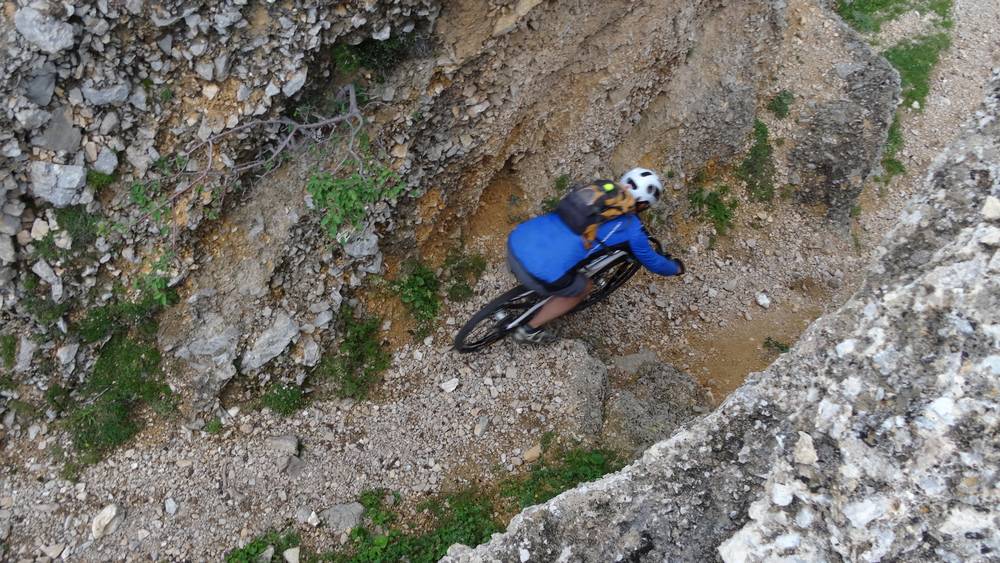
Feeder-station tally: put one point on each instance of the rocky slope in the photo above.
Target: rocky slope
(875, 438)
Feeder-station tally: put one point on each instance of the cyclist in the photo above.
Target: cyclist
(542, 253)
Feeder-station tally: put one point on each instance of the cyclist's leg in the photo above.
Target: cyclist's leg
(561, 304)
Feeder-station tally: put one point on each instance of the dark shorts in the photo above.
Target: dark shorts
(570, 285)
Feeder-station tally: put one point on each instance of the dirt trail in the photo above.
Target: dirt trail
(422, 438)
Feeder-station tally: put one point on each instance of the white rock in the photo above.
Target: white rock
(54, 550)
(39, 229)
(271, 343)
(106, 521)
(991, 208)
(45, 32)
(313, 519)
(67, 353)
(170, 505)
(210, 91)
(846, 347)
(781, 495)
(291, 555)
(763, 300)
(450, 385)
(523, 554)
(805, 452)
(863, 512)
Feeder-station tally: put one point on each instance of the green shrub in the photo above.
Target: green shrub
(915, 59)
(379, 57)
(559, 188)
(715, 205)
(283, 399)
(757, 169)
(418, 290)
(780, 105)
(360, 358)
(344, 200)
(251, 552)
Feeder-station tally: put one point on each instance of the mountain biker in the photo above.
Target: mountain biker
(542, 253)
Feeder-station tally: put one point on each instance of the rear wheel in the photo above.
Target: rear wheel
(490, 323)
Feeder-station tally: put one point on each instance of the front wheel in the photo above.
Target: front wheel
(490, 323)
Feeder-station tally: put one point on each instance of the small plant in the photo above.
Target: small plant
(914, 59)
(125, 375)
(559, 188)
(344, 200)
(360, 358)
(81, 226)
(213, 426)
(715, 205)
(8, 349)
(855, 211)
(776, 345)
(893, 144)
(251, 552)
(283, 399)
(99, 180)
(780, 105)
(166, 95)
(462, 271)
(757, 169)
(379, 57)
(548, 479)
(418, 291)
(869, 15)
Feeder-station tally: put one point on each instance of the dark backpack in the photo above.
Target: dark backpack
(586, 207)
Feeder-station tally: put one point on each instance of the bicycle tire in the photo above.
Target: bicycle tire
(629, 268)
(497, 332)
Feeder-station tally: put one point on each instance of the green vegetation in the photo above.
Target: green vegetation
(468, 517)
(780, 105)
(776, 345)
(418, 289)
(99, 180)
(462, 271)
(345, 200)
(283, 399)
(359, 360)
(914, 59)
(869, 15)
(548, 479)
(166, 95)
(123, 315)
(893, 144)
(81, 226)
(559, 188)
(8, 349)
(757, 169)
(855, 211)
(125, 376)
(379, 57)
(714, 205)
(252, 551)
(213, 426)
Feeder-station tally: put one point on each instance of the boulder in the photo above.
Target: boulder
(58, 184)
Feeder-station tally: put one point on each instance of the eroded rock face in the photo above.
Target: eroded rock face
(875, 438)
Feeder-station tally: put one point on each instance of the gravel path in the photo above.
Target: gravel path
(193, 496)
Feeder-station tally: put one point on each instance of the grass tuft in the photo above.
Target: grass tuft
(251, 552)
(548, 479)
(462, 272)
(715, 205)
(283, 399)
(360, 358)
(757, 169)
(99, 180)
(8, 349)
(868, 15)
(776, 345)
(345, 200)
(418, 289)
(914, 59)
(780, 104)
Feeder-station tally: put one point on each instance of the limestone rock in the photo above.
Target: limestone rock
(43, 31)
(271, 343)
(58, 184)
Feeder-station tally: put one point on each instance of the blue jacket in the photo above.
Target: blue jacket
(548, 249)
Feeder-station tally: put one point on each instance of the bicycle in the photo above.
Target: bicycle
(608, 269)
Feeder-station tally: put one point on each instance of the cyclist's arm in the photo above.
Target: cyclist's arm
(638, 243)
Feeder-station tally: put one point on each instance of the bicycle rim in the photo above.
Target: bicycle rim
(489, 325)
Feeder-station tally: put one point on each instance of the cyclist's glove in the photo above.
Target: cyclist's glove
(680, 265)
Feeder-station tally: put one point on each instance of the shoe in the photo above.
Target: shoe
(526, 335)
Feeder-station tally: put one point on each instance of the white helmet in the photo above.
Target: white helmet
(643, 184)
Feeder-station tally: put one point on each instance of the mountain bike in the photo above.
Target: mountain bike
(608, 269)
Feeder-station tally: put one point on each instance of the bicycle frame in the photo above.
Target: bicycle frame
(588, 270)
